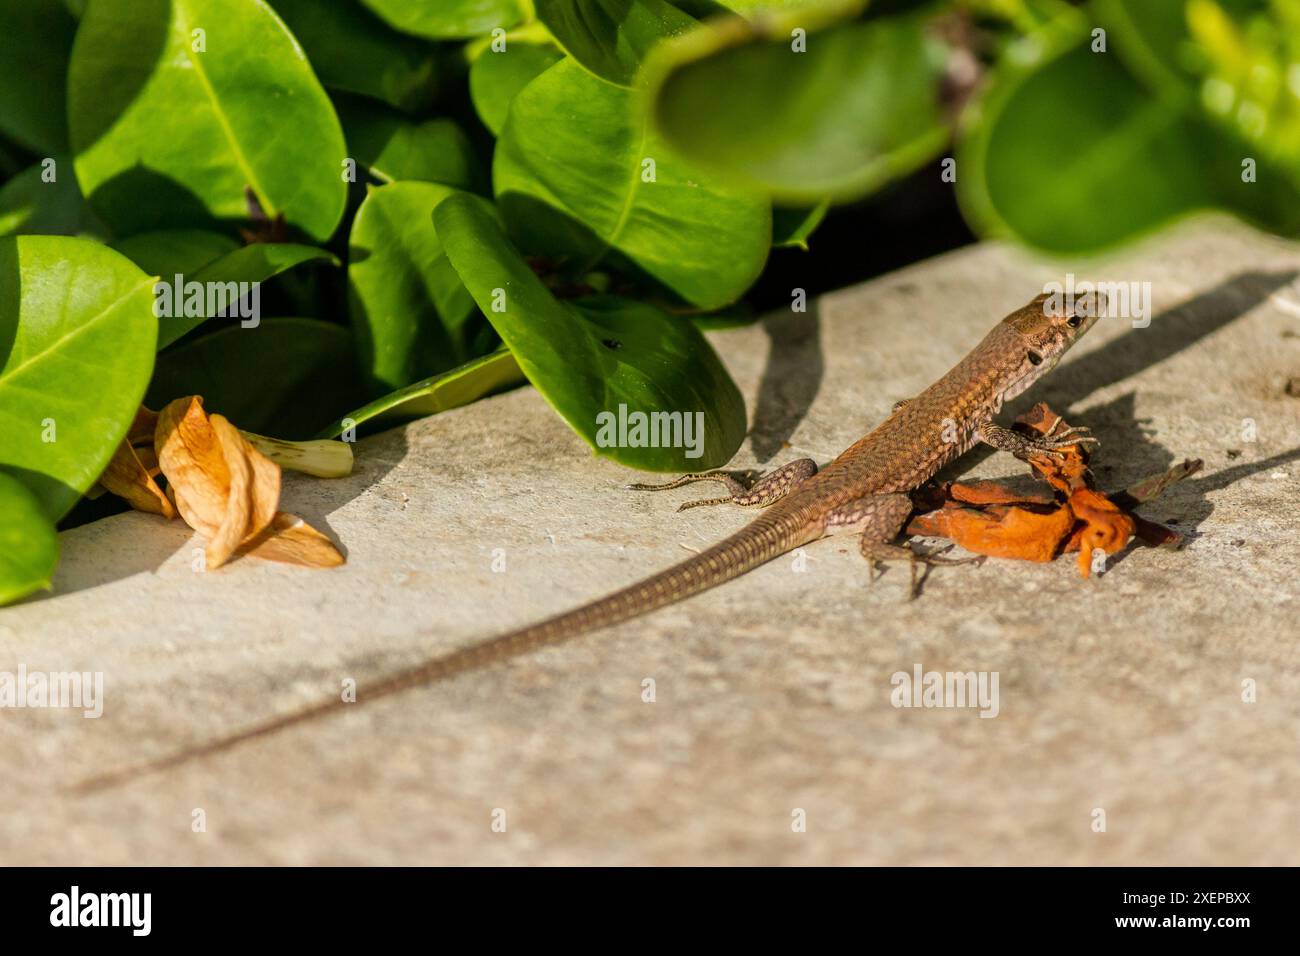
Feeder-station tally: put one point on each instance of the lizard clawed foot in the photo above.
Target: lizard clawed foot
(876, 552)
(1026, 447)
(734, 487)
(764, 491)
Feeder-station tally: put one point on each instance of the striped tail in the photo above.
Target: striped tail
(770, 535)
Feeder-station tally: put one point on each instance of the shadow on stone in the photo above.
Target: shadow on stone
(791, 379)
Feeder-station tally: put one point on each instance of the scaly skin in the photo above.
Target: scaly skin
(864, 489)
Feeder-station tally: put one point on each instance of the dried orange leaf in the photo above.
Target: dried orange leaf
(1102, 527)
(193, 463)
(999, 532)
(992, 493)
(142, 427)
(294, 541)
(222, 486)
(127, 476)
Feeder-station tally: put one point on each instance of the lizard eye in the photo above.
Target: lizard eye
(1073, 322)
(1035, 358)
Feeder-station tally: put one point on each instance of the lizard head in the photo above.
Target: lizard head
(1044, 330)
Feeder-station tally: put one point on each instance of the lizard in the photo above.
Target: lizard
(866, 490)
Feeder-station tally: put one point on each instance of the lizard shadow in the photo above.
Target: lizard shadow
(1172, 331)
(1185, 505)
(791, 379)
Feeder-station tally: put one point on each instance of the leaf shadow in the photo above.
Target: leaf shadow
(791, 379)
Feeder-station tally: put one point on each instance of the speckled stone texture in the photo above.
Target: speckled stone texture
(772, 694)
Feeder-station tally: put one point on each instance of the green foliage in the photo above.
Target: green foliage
(596, 354)
(78, 330)
(412, 315)
(861, 111)
(1073, 149)
(579, 175)
(29, 548)
(454, 196)
(199, 120)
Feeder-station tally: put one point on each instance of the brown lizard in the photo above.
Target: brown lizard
(865, 490)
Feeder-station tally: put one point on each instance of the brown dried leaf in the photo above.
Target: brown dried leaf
(293, 541)
(222, 486)
(193, 463)
(142, 427)
(999, 531)
(989, 518)
(128, 476)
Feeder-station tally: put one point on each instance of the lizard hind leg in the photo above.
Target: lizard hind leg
(880, 519)
(771, 487)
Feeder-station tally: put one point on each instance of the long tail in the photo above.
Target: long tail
(771, 534)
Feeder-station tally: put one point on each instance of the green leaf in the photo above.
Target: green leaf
(578, 173)
(29, 546)
(1151, 38)
(168, 251)
(304, 371)
(253, 264)
(411, 314)
(1129, 164)
(792, 227)
(353, 50)
(495, 79)
(35, 36)
(589, 359)
(476, 379)
(394, 147)
(857, 109)
(612, 37)
(167, 136)
(77, 333)
(29, 204)
(448, 19)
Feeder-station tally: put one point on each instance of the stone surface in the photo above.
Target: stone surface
(1123, 693)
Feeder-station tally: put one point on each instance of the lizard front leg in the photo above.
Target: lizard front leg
(1025, 447)
(880, 519)
(771, 487)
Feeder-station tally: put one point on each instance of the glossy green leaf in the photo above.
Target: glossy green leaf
(252, 264)
(857, 108)
(1151, 38)
(578, 173)
(304, 371)
(612, 37)
(168, 251)
(448, 19)
(393, 147)
(31, 204)
(467, 383)
(495, 79)
(352, 50)
(411, 314)
(598, 357)
(29, 546)
(35, 37)
(1236, 63)
(1129, 164)
(77, 334)
(792, 227)
(11, 164)
(166, 135)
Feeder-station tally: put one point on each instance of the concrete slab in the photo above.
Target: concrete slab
(1123, 694)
